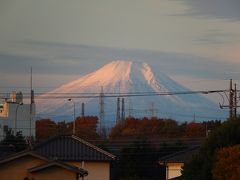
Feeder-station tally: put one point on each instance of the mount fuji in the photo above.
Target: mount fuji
(117, 78)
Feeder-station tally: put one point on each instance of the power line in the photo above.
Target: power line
(128, 94)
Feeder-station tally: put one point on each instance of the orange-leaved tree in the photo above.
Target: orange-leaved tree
(86, 127)
(195, 129)
(146, 127)
(45, 128)
(227, 164)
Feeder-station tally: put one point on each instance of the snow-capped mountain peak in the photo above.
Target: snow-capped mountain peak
(126, 77)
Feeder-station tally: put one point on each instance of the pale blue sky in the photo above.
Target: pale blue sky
(190, 40)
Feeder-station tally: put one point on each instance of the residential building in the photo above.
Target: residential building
(17, 116)
(174, 163)
(61, 157)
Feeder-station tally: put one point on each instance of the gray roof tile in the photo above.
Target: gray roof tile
(72, 148)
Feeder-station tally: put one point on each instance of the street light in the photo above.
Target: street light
(15, 122)
(74, 125)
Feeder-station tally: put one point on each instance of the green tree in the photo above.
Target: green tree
(139, 161)
(18, 141)
(200, 167)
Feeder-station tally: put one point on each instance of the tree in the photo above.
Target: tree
(200, 167)
(195, 129)
(45, 128)
(126, 128)
(63, 128)
(139, 161)
(17, 140)
(86, 127)
(147, 128)
(227, 163)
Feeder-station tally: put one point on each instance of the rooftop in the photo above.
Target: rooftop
(71, 148)
(181, 156)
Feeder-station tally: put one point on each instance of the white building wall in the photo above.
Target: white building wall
(17, 117)
(174, 170)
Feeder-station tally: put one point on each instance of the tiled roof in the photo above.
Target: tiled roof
(181, 156)
(22, 154)
(47, 165)
(72, 148)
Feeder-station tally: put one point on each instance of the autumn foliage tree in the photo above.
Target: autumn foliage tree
(147, 128)
(45, 128)
(85, 128)
(195, 129)
(227, 164)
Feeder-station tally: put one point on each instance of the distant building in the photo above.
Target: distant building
(17, 116)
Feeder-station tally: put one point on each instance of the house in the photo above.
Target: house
(17, 115)
(61, 157)
(175, 162)
(6, 150)
(28, 165)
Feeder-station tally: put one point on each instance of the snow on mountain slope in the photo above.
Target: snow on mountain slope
(128, 77)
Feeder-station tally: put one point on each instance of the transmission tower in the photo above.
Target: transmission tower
(232, 100)
(152, 110)
(130, 108)
(235, 101)
(231, 95)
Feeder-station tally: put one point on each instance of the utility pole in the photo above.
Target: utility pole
(31, 105)
(118, 110)
(74, 116)
(123, 110)
(83, 110)
(101, 111)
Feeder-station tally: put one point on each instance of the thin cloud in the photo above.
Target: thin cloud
(72, 61)
(80, 59)
(215, 37)
(224, 9)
